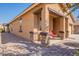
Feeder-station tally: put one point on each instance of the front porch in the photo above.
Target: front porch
(46, 19)
(58, 23)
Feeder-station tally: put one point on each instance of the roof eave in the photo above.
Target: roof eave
(26, 10)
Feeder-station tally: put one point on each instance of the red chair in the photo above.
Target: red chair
(52, 34)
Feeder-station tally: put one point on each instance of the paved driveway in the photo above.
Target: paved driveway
(16, 46)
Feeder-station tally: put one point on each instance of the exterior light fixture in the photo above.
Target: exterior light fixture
(20, 24)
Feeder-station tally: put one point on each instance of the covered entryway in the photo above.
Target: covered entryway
(50, 20)
(58, 23)
(54, 23)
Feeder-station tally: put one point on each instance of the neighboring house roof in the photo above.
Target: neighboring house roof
(32, 6)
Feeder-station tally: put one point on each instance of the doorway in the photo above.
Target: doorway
(54, 24)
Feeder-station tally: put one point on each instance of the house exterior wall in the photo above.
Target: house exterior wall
(28, 20)
(70, 25)
(27, 23)
(76, 29)
(54, 6)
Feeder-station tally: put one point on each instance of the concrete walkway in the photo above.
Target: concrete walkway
(15, 46)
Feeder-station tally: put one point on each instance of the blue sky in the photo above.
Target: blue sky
(76, 14)
(8, 11)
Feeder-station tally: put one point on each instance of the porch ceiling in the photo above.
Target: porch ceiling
(38, 11)
(53, 15)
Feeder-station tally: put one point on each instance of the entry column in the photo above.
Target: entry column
(45, 24)
(62, 27)
(45, 19)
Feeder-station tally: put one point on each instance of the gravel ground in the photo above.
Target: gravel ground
(15, 46)
(17, 49)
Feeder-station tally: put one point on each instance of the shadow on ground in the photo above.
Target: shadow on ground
(21, 47)
(72, 44)
(9, 37)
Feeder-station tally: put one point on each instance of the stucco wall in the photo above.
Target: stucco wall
(76, 29)
(28, 20)
(27, 23)
(70, 23)
(55, 6)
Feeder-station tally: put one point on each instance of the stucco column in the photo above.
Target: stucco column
(62, 26)
(45, 23)
(45, 19)
(64, 21)
(67, 31)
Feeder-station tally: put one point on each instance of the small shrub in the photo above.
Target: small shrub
(77, 53)
(1, 30)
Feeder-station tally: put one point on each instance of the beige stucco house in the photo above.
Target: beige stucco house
(42, 17)
(76, 27)
(1, 26)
